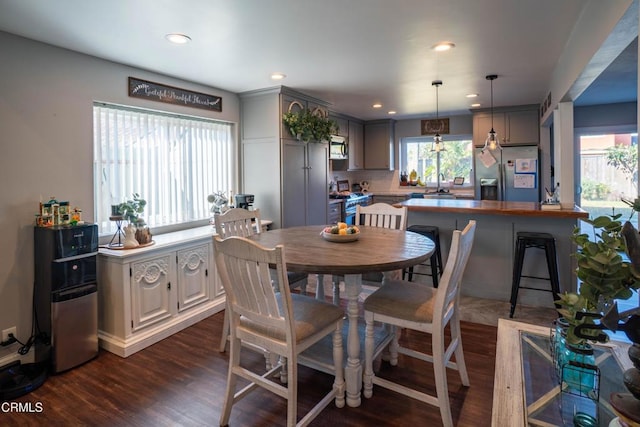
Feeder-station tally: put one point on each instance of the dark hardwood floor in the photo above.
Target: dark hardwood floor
(180, 381)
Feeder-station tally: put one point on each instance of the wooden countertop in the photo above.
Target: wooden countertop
(489, 207)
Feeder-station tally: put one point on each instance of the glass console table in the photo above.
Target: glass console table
(526, 389)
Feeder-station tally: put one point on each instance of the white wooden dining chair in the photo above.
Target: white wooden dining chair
(380, 215)
(281, 322)
(410, 305)
(244, 223)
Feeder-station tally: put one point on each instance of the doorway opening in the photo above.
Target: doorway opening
(608, 173)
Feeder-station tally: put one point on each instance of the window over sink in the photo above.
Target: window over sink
(455, 161)
(173, 162)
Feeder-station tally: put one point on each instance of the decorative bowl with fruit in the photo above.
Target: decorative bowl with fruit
(341, 232)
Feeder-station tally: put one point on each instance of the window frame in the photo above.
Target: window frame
(230, 165)
(469, 181)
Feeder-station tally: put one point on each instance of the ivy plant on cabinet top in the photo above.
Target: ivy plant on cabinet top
(307, 126)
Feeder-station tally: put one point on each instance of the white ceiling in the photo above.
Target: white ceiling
(351, 53)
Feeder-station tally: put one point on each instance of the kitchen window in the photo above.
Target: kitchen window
(455, 161)
(172, 161)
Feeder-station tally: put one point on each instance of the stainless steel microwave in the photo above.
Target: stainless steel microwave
(338, 149)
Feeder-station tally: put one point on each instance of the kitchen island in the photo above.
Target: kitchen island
(490, 267)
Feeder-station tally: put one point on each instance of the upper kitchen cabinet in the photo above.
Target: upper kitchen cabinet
(379, 137)
(280, 171)
(517, 125)
(356, 145)
(342, 122)
(353, 130)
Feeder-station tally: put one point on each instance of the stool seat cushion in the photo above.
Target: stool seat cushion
(403, 300)
(310, 317)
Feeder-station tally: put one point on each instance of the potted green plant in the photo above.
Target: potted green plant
(308, 126)
(605, 275)
(131, 209)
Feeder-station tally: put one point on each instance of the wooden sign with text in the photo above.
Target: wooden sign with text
(173, 95)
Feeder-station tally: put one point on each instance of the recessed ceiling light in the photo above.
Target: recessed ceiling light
(472, 95)
(278, 76)
(178, 38)
(377, 105)
(476, 105)
(392, 112)
(442, 46)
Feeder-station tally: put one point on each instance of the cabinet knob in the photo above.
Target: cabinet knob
(169, 285)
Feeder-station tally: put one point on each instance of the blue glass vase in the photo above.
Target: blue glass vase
(578, 368)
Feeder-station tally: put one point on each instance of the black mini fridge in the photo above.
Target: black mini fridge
(65, 294)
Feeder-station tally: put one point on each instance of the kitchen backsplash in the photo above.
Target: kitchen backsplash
(380, 181)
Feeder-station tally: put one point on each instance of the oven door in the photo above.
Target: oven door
(350, 215)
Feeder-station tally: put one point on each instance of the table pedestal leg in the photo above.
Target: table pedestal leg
(320, 287)
(353, 370)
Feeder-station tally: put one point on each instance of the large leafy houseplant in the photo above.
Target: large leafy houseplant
(605, 274)
(307, 126)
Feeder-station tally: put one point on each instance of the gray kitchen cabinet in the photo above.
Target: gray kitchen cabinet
(379, 137)
(335, 211)
(516, 126)
(356, 145)
(342, 123)
(305, 172)
(289, 178)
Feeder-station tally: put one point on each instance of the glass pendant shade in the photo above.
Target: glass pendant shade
(492, 142)
(437, 145)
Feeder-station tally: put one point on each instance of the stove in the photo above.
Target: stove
(351, 200)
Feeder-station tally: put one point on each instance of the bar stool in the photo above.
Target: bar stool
(435, 262)
(524, 241)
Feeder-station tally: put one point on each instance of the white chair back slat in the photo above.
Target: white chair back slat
(237, 222)
(382, 215)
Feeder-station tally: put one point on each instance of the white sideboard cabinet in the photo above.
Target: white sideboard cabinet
(150, 293)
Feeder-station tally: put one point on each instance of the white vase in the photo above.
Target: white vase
(130, 237)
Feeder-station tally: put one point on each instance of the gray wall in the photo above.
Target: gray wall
(46, 97)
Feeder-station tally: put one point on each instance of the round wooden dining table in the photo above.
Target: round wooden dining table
(376, 250)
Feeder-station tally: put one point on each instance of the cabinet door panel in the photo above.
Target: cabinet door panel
(150, 291)
(293, 177)
(317, 190)
(193, 286)
(378, 145)
(523, 127)
(356, 146)
(482, 126)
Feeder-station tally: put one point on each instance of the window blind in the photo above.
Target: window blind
(171, 161)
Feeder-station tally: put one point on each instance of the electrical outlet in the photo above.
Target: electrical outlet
(6, 332)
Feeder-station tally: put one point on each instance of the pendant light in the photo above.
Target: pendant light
(492, 142)
(437, 145)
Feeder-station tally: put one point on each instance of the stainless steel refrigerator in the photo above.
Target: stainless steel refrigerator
(512, 174)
